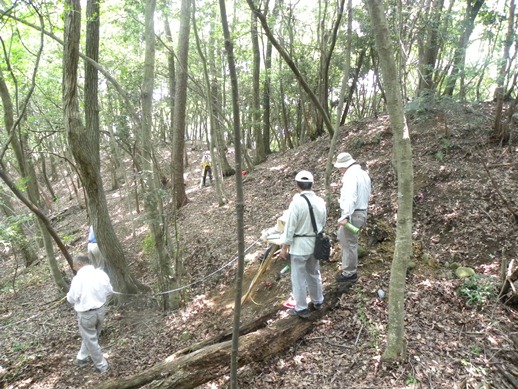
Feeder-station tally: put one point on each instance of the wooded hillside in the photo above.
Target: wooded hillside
(108, 108)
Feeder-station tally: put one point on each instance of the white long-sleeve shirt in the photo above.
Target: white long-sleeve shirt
(299, 223)
(355, 192)
(89, 289)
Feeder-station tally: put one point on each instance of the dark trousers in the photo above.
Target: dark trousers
(208, 171)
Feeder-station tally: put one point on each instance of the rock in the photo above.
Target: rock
(425, 257)
(464, 272)
(454, 266)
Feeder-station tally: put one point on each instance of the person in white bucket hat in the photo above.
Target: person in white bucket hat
(354, 202)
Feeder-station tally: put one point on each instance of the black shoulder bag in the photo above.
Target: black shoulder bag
(322, 249)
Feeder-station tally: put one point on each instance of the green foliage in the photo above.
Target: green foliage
(446, 146)
(148, 246)
(67, 239)
(411, 379)
(20, 346)
(475, 350)
(10, 229)
(358, 142)
(370, 327)
(478, 289)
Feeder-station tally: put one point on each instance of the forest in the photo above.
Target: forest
(108, 109)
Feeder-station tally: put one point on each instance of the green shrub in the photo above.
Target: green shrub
(478, 289)
(148, 246)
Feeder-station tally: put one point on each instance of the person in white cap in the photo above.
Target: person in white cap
(298, 240)
(354, 202)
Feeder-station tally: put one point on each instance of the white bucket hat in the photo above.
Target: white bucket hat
(304, 176)
(344, 160)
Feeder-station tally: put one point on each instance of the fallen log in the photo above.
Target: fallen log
(206, 361)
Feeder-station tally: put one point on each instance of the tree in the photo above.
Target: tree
(459, 58)
(179, 195)
(396, 347)
(213, 118)
(502, 131)
(260, 149)
(300, 78)
(18, 143)
(84, 143)
(429, 46)
(240, 206)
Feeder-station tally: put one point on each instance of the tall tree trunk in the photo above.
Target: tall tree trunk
(216, 166)
(339, 109)
(396, 347)
(260, 151)
(327, 45)
(152, 200)
(460, 51)
(267, 82)
(240, 206)
(502, 131)
(84, 142)
(180, 196)
(217, 132)
(429, 48)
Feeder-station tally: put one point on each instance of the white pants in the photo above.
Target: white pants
(90, 326)
(305, 278)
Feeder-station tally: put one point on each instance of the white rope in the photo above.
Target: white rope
(197, 281)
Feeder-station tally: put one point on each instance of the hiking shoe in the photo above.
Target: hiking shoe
(82, 362)
(351, 279)
(304, 314)
(315, 306)
(102, 370)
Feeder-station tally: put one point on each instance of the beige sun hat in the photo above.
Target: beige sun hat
(344, 160)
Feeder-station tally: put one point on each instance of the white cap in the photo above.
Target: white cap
(304, 176)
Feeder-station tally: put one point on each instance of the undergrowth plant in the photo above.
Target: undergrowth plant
(478, 289)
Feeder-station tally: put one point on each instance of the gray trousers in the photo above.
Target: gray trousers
(305, 279)
(349, 243)
(90, 326)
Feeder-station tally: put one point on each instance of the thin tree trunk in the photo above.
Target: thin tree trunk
(502, 131)
(216, 167)
(152, 201)
(298, 75)
(260, 150)
(180, 196)
(396, 347)
(339, 108)
(239, 195)
(460, 51)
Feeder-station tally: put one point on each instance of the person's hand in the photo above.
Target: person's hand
(284, 252)
(343, 221)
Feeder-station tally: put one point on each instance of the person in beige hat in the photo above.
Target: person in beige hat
(354, 202)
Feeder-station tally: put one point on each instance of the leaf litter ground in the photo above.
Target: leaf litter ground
(459, 217)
